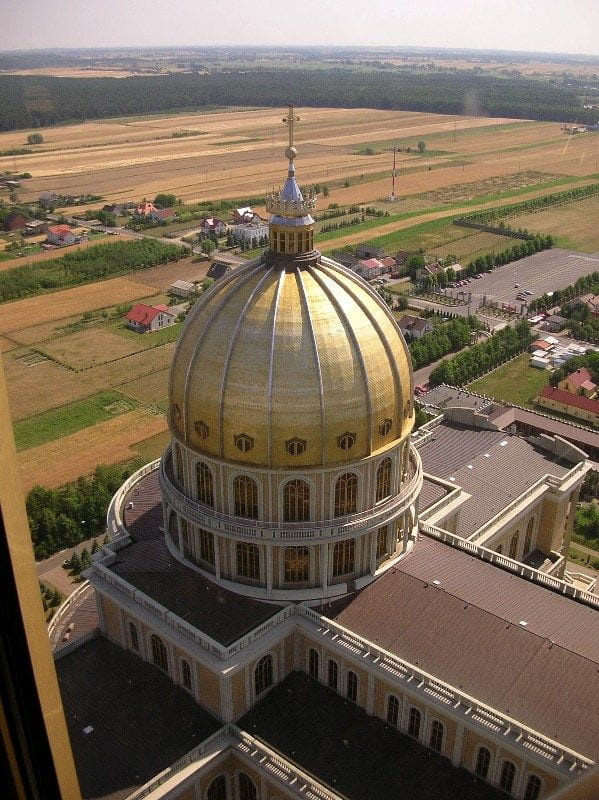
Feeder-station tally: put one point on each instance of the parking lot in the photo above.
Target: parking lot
(542, 272)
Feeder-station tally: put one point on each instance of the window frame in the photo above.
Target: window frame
(248, 792)
(313, 656)
(350, 498)
(433, 735)
(133, 637)
(507, 786)
(344, 555)
(264, 674)
(383, 480)
(296, 507)
(333, 674)
(297, 574)
(256, 506)
(528, 789)
(352, 685)
(482, 773)
(223, 782)
(154, 637)
(250, 553)
(414, 722)
(204, 484)
(393, 715)
(183, 663)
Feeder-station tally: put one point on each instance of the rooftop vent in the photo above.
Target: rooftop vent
(87, 730)
(503, 444)
(523, 622)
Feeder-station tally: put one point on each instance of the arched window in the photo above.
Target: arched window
(248, 560)
(296, 501)
(159, 656)
(204, 483)
(514, 545)
(414, 723)
(383, 479)
(352, 686)
(333, 674)
(381, 542)
(483, 760)
(247, 787)
(393, 710)
(499, 548)
(263, 674)
(346, 494)
(436, 740)
(245, 490)
(533, 788)
(343, 557)
(528, 537)
(217, 789)
(133, 636)
(186, 674)
(179, 464)
(313, 663)
(297, 564)
(206, 546)
(508, 773)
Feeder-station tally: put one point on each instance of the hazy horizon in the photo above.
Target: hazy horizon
(535, 26)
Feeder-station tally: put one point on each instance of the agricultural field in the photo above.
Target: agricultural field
(240, 153)
(574, 225)
(112, 442)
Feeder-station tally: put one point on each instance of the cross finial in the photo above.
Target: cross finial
(290, 120)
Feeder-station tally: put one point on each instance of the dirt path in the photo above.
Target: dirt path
(391, 227)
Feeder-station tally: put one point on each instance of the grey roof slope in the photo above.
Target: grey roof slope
(493, 466)
(467, 632)
(142, 722)
(147, 564)
(357, 755)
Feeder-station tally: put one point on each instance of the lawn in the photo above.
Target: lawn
(574, 225)
(146, 340)
(515, 382)
(70, 418)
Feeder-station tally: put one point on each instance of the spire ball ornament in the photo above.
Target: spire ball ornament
(290, 153)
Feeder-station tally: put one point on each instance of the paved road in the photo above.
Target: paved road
(50, 570)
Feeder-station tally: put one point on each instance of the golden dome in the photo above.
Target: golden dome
(290, 365)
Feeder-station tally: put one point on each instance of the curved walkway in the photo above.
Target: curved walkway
(82, 616)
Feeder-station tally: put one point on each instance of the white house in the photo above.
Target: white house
(143, 318)
(182, 289)
(250, 232)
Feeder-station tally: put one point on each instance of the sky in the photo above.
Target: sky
(536, 25)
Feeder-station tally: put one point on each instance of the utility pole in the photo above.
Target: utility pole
(392, 198)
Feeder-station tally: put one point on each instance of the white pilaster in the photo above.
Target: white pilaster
(458, 745)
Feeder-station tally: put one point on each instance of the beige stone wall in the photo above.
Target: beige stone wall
(112, 620)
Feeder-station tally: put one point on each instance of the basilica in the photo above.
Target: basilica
(305, 597)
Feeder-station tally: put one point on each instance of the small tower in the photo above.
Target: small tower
(291, 225)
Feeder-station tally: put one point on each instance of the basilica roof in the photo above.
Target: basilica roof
(292, 365)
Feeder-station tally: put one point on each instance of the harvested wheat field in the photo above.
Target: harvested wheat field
(64, 460)
(36, 384)
(151, 390)
(68, 302)
(89, 348)
(240, 153)
(161, 278)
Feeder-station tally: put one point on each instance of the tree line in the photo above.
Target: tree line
(82, 266)
(534, 204)
(484, 356)
(60, 518)
(585, 284)
(441, 340)
(590, 360)
(28, 101)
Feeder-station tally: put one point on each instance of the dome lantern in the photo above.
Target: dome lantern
(291, 225)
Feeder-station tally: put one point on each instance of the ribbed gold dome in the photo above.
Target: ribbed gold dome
(290, 367)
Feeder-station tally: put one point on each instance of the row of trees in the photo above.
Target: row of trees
(590, 360)
(484, 356)
(584, 284)
(486, 263)
(442, 340)
(90, 264)
(534, 204)
(34, 101)
(63, 517)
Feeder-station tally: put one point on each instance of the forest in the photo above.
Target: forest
(28, 101)
(82, 266)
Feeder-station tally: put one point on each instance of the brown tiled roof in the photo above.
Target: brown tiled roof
(486, 468)
(467, 632)
(580, 377)
(142, 722)
(149, 566)
(431, 493)
(357, 755)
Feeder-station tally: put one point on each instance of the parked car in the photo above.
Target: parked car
(528, 293)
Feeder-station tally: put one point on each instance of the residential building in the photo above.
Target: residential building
(144, 319)
(144, 209)
(579, 382)
(182, 289)
(574, 405)
(250, 232)
(414, 327)
(163, 214)
(555, 323)
(243, 215)
(61, 235)
(369, 268)
(365, 250)
(213, 225)
(49, 199)
(35, 227)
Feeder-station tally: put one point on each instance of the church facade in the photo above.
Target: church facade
(300, 555)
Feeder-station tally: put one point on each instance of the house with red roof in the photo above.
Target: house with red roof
(579, 382)
(574, 405)
(144, 209)
(145, 319)
(369, 268)
(163, 214)
(61, 235)
(213, 225)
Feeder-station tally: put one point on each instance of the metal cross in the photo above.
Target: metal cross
(291, 119)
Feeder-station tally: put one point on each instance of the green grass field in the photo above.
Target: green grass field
(73, 417)
(514, 382)
(146, 340)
